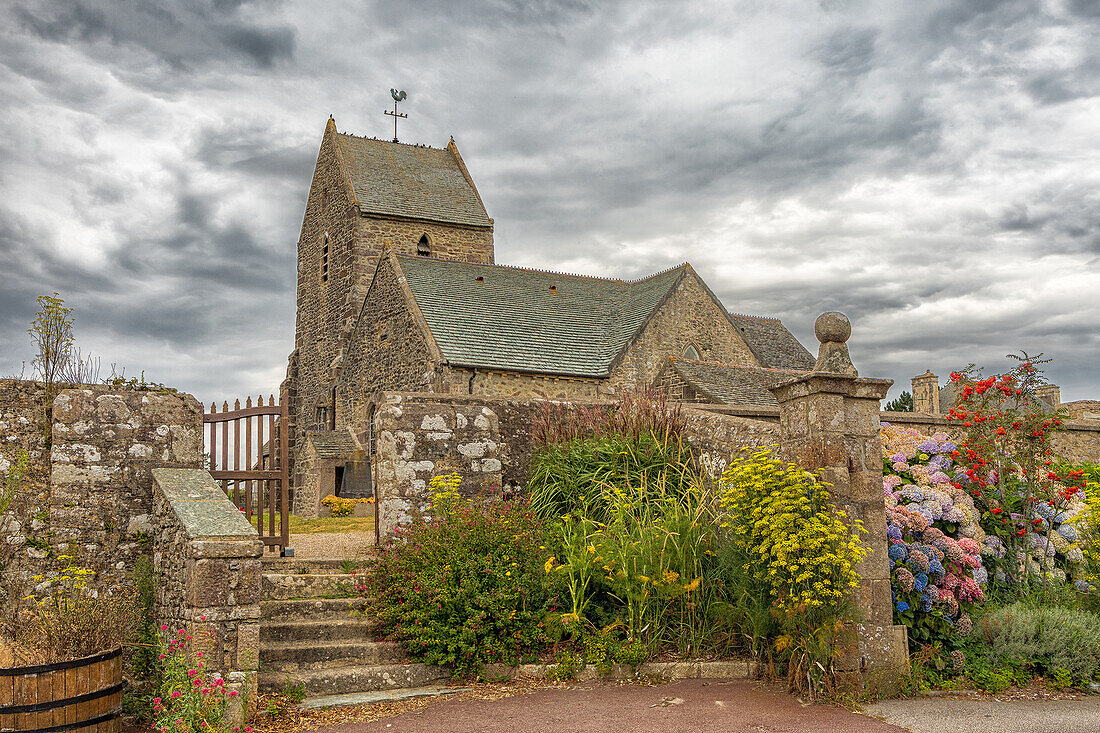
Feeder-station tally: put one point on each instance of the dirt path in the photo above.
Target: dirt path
(682, 707)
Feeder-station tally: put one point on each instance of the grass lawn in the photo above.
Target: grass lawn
(300, 525)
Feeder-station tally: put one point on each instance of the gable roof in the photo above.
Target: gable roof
(414, 181)
(773, 345)
(516, 319)
(730, 384)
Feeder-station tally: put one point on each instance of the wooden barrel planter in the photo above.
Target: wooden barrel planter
(77, 695)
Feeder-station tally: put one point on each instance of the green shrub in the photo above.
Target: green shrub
(465, 588)
(1053, 638)
(577, 477)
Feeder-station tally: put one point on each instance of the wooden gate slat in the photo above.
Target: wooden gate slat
(264, 481)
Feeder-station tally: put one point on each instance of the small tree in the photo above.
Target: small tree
(903, 403)
(52, 332)
(1008, 457)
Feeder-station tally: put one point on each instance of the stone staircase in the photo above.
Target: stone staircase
(309, 637)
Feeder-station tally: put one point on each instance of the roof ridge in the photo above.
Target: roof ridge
(521, 268)
(749, 315)
(422, 146)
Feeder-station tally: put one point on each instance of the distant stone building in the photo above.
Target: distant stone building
(398, 293)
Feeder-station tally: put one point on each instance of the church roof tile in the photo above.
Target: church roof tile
(514, 319)
(733, 385)
(773, 345)
(415, 181)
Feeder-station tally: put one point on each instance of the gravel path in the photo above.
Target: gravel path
(940, 715)
(338, 545)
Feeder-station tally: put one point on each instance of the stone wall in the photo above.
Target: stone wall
(715, 437)
(91, 496)
(1079, 441)
(689, 316)
(518, 385)
(490, 442)
(417, 438)
(24, 528)
(105, 445)
(206, 558)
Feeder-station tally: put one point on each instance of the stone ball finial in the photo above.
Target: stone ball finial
(833, 327)
(832, 330)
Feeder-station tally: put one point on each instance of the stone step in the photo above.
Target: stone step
(310, 609)
(346, 680)
(279, 586)
(308, 566)
(298, 656)
(327, 631)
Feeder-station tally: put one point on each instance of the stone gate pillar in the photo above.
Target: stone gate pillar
(829, 421)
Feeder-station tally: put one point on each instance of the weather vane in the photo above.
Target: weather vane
(397, 97)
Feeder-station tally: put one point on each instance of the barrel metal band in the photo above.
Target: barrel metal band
(70, 726)
(58, 666)
(52, 704)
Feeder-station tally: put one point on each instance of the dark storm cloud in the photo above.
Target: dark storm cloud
(930, 169)
(185, 35)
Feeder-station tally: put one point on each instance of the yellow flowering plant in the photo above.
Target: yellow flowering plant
(342, 507)
(798, 556)
(797, 545)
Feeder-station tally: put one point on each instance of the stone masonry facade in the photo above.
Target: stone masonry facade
(338, 249)
(690, 316)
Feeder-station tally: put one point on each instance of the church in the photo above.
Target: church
(399, 291)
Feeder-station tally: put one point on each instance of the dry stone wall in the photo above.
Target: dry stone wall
(91, 495)
(24, 528)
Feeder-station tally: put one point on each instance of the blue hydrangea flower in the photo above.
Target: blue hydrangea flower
(897, 553)
(1066, 530)
(921, 581)
(903, 606)
(893, 533)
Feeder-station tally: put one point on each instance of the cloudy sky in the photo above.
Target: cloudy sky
(931, 169)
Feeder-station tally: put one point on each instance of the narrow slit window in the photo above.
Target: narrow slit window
(424, 246)
(324, 260)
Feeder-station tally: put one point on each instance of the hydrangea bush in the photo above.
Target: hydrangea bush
(935, 537)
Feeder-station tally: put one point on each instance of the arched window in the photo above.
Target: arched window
(424, 246)
(691, 352)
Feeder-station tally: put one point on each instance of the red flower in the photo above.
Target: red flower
(997, 510)
(1021, 532)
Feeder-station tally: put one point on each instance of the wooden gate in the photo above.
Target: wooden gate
(248, 457)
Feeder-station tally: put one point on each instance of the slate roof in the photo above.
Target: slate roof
(410, 180)
(732, 385)
(332, 443)
(773, 345)
(512, 320)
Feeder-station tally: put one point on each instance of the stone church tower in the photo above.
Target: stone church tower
(367, 195)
